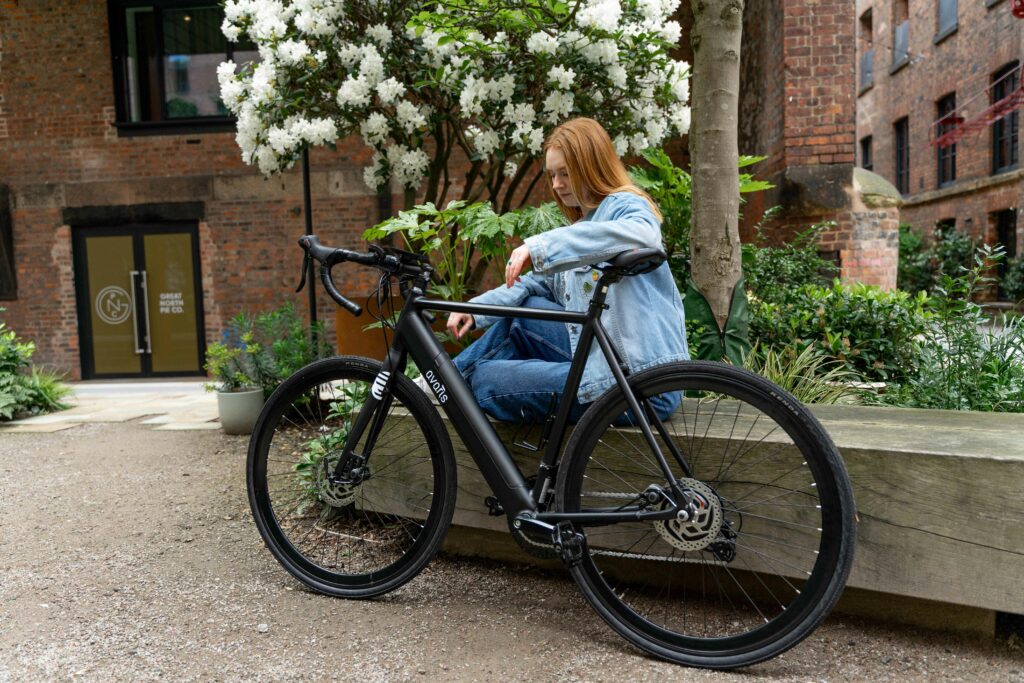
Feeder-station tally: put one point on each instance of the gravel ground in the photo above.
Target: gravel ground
(129, 555)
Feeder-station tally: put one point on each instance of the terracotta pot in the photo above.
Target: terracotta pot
(238, 410)
(353, 340)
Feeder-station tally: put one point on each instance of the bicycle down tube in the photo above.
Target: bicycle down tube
(415, 337)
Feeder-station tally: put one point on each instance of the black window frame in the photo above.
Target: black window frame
(116, 10)
(901, 146)
(1009, 242)
(867, 153)
(1005, 131)
(945, 157)
(8, 265)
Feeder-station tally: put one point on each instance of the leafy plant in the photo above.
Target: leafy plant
(1012, 282)
(871, 331)
(965, 363)
(806, 373)
(24, 388)
(914, 272)
(775, 273)
(462, 240)
(261, 351)
(952, 253)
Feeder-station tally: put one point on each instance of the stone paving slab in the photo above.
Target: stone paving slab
(164, 405)
(36, 428)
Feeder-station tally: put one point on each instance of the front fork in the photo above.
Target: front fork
(352, 466)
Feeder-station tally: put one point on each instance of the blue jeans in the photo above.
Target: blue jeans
(518, 368)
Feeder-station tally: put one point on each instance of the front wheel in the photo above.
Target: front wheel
(766, 557)
(356, 539)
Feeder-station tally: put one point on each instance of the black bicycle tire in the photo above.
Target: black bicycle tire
(835, 558)
(435, 526)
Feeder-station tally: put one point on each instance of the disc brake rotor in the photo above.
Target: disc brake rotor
(334, 495)
(702, 529)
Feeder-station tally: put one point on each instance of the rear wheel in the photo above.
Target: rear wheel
(360, 539)
(768, 553)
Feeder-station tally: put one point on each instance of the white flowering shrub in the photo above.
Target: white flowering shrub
(418, 81)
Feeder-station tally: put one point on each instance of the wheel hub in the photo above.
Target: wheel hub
(333, 494)
(702, 529)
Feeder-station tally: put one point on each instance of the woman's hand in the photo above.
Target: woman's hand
(460, 323)
(518, 261)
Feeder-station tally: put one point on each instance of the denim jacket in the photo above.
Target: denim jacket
(645, 316)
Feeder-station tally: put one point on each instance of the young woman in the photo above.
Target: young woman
(517, 369)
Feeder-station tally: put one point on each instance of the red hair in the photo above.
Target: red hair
(595, 170)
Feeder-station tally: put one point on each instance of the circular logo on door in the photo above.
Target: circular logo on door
(113, 305)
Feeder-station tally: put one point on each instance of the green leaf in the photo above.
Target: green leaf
(712, 343)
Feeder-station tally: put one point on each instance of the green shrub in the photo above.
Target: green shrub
(25, 389)
(775, 274)
(952, 253)
(915, 270)
(263, 350)
(870, 330)
(964, 362)
(1013, 280)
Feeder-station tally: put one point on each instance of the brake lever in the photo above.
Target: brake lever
(305, 270)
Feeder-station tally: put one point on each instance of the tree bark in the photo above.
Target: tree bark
(714, 149)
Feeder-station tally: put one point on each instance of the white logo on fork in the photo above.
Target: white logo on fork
(378, 384)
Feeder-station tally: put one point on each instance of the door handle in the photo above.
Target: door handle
(135, 314)
(140, 286)
(145, 310)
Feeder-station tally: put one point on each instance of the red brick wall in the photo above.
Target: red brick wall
(798, 108)
(986, 39)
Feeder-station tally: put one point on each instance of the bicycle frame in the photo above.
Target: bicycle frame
(414, 337)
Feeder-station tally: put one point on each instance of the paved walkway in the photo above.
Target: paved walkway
(170, 405)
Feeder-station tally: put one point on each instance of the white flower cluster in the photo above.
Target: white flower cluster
(504, 88)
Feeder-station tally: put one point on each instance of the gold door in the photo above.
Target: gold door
(144, 314)
(112, 305)
(171, 298)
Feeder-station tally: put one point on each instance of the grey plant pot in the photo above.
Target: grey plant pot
(238, 410)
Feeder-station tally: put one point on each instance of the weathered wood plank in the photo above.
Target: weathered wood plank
(939, 496)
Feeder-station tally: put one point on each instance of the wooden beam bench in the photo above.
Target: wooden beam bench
(940, 496)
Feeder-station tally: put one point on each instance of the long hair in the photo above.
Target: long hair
(595, 170)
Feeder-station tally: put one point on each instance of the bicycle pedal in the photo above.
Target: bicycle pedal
(494, 508)
(568, 543)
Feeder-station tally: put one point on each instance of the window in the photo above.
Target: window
(866, 160)
(947, 18)
(1004, 131)
(867, 52)
(900, 34)
(901, 129)
(8, 283)
(166, 54)
(946, 162)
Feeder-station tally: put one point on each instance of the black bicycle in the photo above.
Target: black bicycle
(717, 537)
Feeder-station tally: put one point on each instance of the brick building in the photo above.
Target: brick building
(121, 184)
(797, 107)
(108, 184)
(927, 68)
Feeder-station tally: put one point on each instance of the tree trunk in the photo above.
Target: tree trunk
(714, 150)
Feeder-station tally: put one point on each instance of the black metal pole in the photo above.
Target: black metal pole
(308, 203)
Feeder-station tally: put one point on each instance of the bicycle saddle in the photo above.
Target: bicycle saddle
(636, 261)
